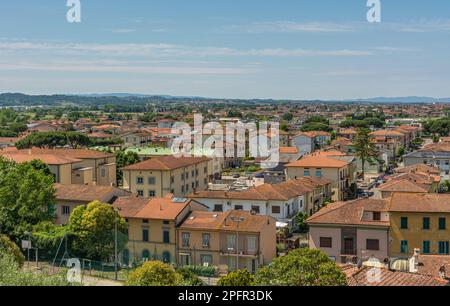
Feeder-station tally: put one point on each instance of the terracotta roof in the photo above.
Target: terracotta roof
(281, 192)
(404, 185)
(203, 220)
(350, 213)
(314, 134)
(348, 132)
(420, 202)
(387, 133)
(84, 193)
(394, 278)
(69, 153)
(432, 264)
(49, 159)
(420, 168)
(288, 150)
(318, 162)
(129, 206)
(163, 208)
(167, 163)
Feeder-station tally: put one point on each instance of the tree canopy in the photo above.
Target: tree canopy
(240, 278)
(93, 230)
(154, 273)
(26, 197)
(316, 126)
(53, 140)
(302, 267)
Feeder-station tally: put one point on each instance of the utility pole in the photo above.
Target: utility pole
(238, 220)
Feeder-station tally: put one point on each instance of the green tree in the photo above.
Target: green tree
(122, 160)
(240, 278)
(26, 198)
(153, 273)
(9, 247)
(93, 230)
(54, 140)
(300, 221)
(302, 267)
(316, 126)
(288, 116)
(317, 119)
(365, 149)
(189, 278)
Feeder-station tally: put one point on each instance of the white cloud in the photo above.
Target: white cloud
(168, 50)
(292, 27)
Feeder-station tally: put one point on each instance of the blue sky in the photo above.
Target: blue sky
(296, 49)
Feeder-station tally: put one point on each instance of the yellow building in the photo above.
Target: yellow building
(71, 166)
(227, 240)
(157, 177)
(151, 227)
(339, 169)
(419, 221)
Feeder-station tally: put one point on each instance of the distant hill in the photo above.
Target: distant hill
(128, 99)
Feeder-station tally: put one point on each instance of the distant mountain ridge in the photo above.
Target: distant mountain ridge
(20, 99)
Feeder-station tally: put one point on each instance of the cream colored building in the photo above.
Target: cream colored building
(157, 177)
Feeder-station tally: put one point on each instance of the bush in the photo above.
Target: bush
(9, 247)
(12, 275)
(202, 271)
(240, 278)
(189, 278)
(154, 273)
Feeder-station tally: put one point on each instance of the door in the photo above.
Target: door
(348, 246)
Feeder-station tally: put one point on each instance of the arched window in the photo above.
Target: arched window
(145, 255)
(166, 257)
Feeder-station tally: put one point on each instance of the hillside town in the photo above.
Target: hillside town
(364, 185)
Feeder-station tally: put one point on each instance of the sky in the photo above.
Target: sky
(281, 49)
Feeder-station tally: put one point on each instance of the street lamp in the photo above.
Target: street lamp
(238, 220)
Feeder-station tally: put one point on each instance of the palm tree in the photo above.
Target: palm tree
(365, 149)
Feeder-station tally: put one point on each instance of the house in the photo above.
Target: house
(289, 154)
(436, 154)
(233, 239)
(350, 134)
(350, 231)
(420, 221)
(152, 227)
(308, 142)
(71, 166)
(339, 169)
(281, 201)
(157, 177)
(412, 182)
(136, 139)
(68, 197)
(399, 137)
(6, 142)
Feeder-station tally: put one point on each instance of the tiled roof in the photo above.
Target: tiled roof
(350, 213)
(167, 163)
(318, 162)
(405, 185)
(393, 278)
(420, 202)
(432, 264)
(288, 150)
(49, 159)
(202, 220)
(84, 193)
(387, 133)
(69, 153)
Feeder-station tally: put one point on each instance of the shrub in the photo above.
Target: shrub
(202, 271)
(153, 273)
(189, 278)
(9, 247)
(240, 278)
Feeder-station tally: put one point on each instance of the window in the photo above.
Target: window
(444, 247)
(166, 222)
(206, 240)
(319, 173)
(376, 216)
(187, 175)
(140, 193)
(442, 224)
(140, 180)
(255, 209)
(205, 170)
(185, 239)
(145, 235)
(238, 207)
(404, 222)
(426, 247)
(103, 172)
(404, 246)
(192, 173)
(182, 176)
(251, 244)
(373, 244)
(276, 209)
(426, 223)
(182, 189)
(193, 185)
(145, 255)
(438, 162)
(205, 181)
(206, 260)
(152, 193)
(218, 208)
(326, 242)
(306, 173)
(65, 210)
(152, 180)
(145, 221)
(231, 242)
(166, 236)
(172, 179)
